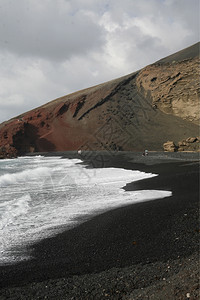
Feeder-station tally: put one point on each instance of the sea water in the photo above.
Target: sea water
(41, 196)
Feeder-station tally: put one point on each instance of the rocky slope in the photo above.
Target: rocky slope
(176, 89)
(141, 110)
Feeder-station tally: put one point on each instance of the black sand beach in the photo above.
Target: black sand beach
(147, 250)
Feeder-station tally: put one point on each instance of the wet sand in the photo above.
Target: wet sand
(147, 250)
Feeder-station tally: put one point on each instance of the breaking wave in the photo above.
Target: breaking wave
(9, 179)
(41, 196)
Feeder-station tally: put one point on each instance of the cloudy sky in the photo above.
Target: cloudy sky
(51, 48)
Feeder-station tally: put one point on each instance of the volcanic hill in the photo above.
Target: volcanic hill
(145, 109)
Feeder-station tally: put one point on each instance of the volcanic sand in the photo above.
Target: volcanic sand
(141, 251)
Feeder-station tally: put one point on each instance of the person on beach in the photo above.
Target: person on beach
(145, 153)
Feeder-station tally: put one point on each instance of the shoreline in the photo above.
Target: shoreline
(141, 239)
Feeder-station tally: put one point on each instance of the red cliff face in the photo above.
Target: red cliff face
(138, 111)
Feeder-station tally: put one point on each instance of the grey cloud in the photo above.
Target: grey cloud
(28, 28)
(185, 13)
(168, 12)
(51, 48)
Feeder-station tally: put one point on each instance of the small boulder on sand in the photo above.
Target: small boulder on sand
(169, 146)
(189, 144)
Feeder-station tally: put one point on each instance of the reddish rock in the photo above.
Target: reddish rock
(7, 151)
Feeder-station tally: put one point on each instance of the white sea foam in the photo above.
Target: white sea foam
(47, 195)
(14, 209)
(9, 179)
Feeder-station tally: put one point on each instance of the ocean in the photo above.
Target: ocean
(42, 196)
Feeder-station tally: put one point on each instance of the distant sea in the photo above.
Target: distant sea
(42, 196)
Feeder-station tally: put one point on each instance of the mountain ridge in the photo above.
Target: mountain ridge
(140, 110)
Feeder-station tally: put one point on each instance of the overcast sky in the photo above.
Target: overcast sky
(51, 48)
